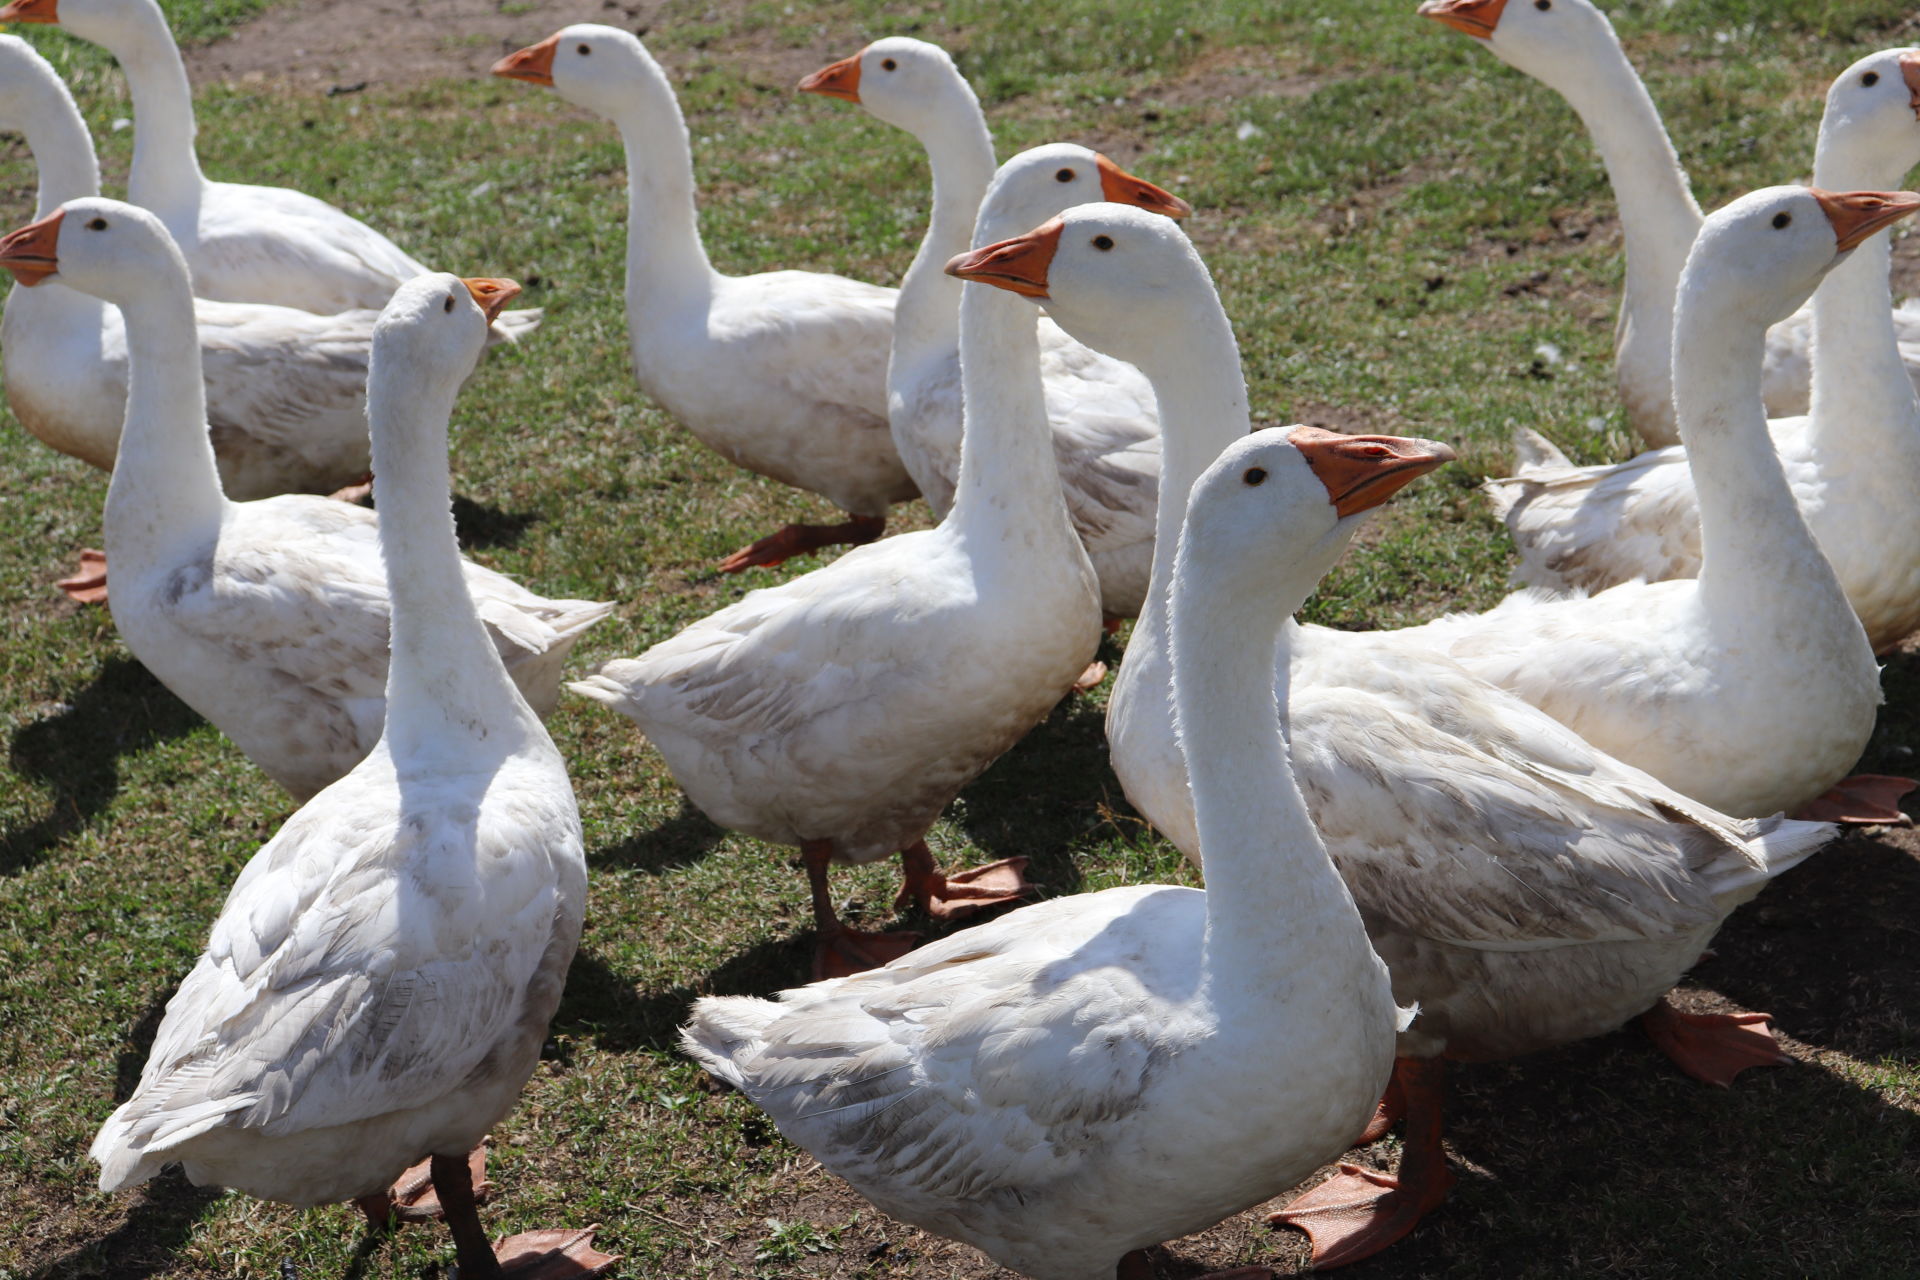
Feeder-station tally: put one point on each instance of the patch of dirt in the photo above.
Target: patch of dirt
(341, 45)
(1233, 74)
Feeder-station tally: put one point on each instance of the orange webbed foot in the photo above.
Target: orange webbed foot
(554, 1254)
(1864, 800)
(88, 584)
(845, 951)
(956, 895)
(1358, 1212)
(1713, 1047)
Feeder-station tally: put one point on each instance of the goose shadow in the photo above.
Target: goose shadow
(680, 841)
(1041, 797)
(145, 1243)
(478, 525)
(76, 752)
(609, 1008)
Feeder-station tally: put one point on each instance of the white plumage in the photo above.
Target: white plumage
(379, 982)
(783, 373)
(267, 617)
(1106, 437)
(1087, 1076)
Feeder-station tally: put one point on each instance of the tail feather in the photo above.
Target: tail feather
(1535, 452)
(511, 326)
(724, 1031)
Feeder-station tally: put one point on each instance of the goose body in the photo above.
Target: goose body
(784, 372)
(1571, 47)
(841, 711)
(1078, 1079)
(1851, 462)
(1752, 687)
(1105, 436)
(242, 243)
(268, 617)
(379, 982)
(286, 389)
(1524, 888)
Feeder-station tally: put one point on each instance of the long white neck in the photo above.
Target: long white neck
(1863, 409)
(1752, 535)
(667, 268)
(1658, 216)
(926, 319)
(1201, 395)
(1007, 503)
(165, 177)
(62, 148)
(165, 487)
(448, 695)
(1273, 896)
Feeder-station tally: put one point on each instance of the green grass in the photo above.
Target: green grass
(1412, 220)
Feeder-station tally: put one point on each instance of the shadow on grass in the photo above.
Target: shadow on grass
(478, 525)
(145, 1243)
(680, 841)
(77, 752)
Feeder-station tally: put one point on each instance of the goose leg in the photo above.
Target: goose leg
(88, 584)
(798, 539)
(951, 897)
(1391, 1111)
(1865, 800)
(1713, 1047)
(532, 1255)
(842, 950)
(412, 1198)
(357, 492)
(1358, 1212)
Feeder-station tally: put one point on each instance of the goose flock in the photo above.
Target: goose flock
(1482, 837)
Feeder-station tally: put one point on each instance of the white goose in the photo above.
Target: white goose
(242, 243)
(1525, 889)
(269, 617)
(379, 982)
(783, 372)
(1570, 46)
(1751, 688)
(1853, 462)
(286, 389)
(842, 711)
(1079, 1079)
(1106, 440)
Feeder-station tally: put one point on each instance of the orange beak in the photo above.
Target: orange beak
(1361, 472)
(836, 80)
(1478, 18)
(492, 294)
(1856, 215)
(1018, 265)
(1121, 187)
(534, 64)
(31, 11)
(1910, 72)
(33, 252)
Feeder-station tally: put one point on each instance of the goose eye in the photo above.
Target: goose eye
(98, 224)
(1543, 5)
(888, 64)
(1781, 220)
(1103, 243)
(1870, 79)
(449, 307)
(1255, 475)
(1065, 175)
(583, 48)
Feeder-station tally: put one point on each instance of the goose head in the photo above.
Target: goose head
(1105, 273)
(908, 83)
(590, 65)
(1043, 182)
(1289, 499)
(435, 326)
(1547, 39)
(116, 252)
(1870, 132)
(1765, 253)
